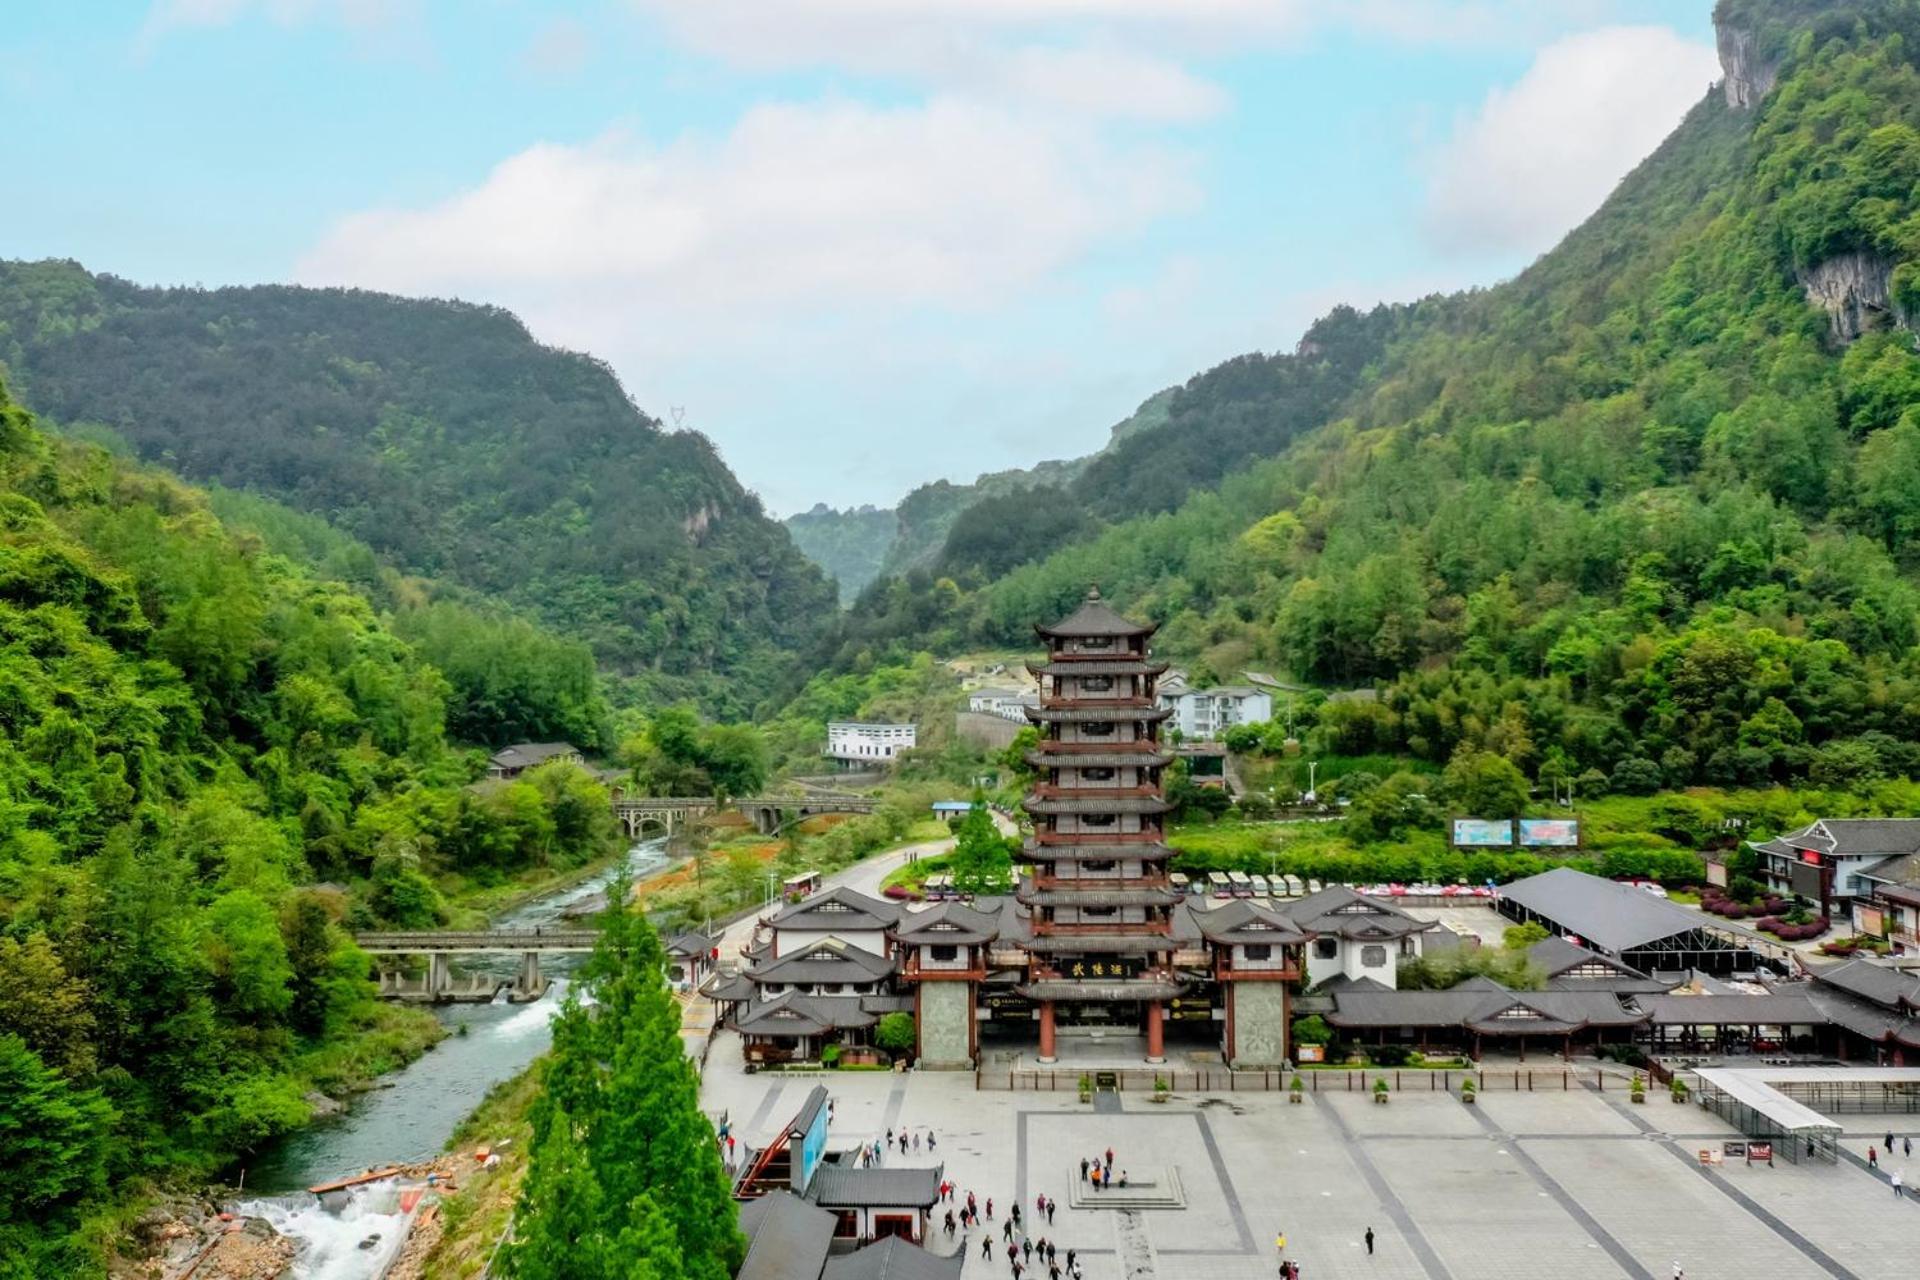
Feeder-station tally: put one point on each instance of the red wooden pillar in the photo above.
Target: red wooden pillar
(1156, 1047)
(1046, 1031)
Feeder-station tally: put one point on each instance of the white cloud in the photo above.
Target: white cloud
(816, 206)
(1541, 155)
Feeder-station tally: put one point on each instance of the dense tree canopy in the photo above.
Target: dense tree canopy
(444, 437)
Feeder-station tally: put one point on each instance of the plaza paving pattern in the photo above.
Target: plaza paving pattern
(1561, 1184)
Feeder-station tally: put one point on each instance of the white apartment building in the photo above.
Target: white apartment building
(1208, 713)
(856, 743)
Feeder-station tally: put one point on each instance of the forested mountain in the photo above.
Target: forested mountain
(213, 761)
(860, 544)
(1649, 508)
(448, 440)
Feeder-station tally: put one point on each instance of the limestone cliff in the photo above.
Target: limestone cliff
(1855, 290)
(1750, 76)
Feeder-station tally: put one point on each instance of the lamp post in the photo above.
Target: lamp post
(1313, 791)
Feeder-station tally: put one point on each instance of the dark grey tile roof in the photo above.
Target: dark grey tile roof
(1614, 917)
(839, 909)
(1114, 804)
(1041, 758)
(895, 1259)
(1246, 921)
(947, 922)
(792, 1014)
(1558, 958)
(840, 1186)
(729, 986)
(1884, 985)
(690, 943)
(1901, 869)
(788, 1238)
(1855, 836)
(1483, 1005)
(1096, 667)
(1095, 618)
(827, 961)
(1775, 1009)
(526, 755)
(1341, 911)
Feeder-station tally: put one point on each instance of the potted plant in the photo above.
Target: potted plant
(1637, 1091)
(1161, 1090)
(1380, 1091)
(1086, 1087)
(1467, 1091)
(830, 1056)
(1677, 1090)
(1294, 1090)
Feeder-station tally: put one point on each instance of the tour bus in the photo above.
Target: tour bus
(1180, 881)
(939, 888)
(804, 885)
(1218, 883)
(1261, 889)
(1241, 886)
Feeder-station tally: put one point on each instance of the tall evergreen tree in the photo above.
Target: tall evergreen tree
(624, 1180)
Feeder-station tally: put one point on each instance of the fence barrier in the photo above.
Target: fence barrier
(1227, 1080)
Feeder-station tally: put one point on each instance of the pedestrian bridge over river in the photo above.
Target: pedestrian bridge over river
(439, 946)
(767, 813)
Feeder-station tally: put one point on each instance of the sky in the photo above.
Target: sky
(860, 244)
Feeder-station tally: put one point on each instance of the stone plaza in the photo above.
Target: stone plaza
(1559, 1181)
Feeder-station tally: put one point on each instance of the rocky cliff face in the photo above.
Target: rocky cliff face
(1749, 76)
(1855, 290)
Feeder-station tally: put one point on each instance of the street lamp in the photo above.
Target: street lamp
(769, 901)
(1313, 791)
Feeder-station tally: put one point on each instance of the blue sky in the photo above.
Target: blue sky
(864, 243)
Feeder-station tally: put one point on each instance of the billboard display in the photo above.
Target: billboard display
(813, 1145)
(1554, 833)
(1482, 833)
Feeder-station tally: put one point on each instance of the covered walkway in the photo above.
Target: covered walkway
(1777, 1103)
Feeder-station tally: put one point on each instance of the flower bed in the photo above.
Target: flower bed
(1787, 932)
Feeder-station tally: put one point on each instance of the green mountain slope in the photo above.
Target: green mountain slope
(444, 437)
(213, 762)
(860, 544)
(1649, 506)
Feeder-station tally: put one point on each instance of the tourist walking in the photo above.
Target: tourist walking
(1052, 1204)
(989, 1208)
(930, 1142)
(1369, 1242)
(916, 1142)
(1006, 1231)
(1084, 1165)
(1873, 1158)
(1015, 1213)
(1109, 1157)
(986, 1246)
(1906, 1146)
(1026, 1248)
(1897, 1189)
(1889, 1143)
(949, 1224)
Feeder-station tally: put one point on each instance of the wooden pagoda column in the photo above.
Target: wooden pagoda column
(1046, 1031)
(1156, 1046)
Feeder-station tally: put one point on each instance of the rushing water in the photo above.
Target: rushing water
(415, 1110)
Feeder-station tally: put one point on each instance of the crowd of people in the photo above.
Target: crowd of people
(1022, 1235)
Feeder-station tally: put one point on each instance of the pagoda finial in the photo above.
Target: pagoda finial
(1093, 591)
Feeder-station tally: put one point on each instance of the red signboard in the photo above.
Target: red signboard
(1760, 1151)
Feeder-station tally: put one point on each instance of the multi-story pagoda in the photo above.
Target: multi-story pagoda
(1100, 899)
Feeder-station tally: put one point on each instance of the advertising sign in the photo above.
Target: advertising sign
(1482, 833)
(1121, 967)
(1007, 1005)
(1311, 1052)
(813, 1145)
(1554, 833)
(1190, 1008)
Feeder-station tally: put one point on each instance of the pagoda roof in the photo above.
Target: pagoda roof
(1148, 850)
(1110, 804)
(1087, 715)
(1132, 944)
(1044, 759)
(1245, 921)
(1100, 666)
(1094, 895)
(1094, 618)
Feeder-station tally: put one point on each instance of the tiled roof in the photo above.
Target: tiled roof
(793, 1014)
(947, 922)
(788, 1238)
(526, 755)
(1341, 911)
(840, 1186)
(828, 960)
(895, 1259)
(1245, 921)
(1093, 619)
(837, 910)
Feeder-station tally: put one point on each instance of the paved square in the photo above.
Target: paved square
(1561, 1183)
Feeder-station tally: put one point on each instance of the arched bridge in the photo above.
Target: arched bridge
(439, 946)
(765, 812)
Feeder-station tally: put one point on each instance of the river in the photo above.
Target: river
(415, 1110)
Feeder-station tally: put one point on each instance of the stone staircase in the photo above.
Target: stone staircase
(1145, 1189)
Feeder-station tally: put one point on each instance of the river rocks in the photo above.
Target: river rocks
(322, 1106)
(187, 1232)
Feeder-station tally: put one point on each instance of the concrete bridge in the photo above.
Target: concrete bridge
(669, 813)
(439, 946)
